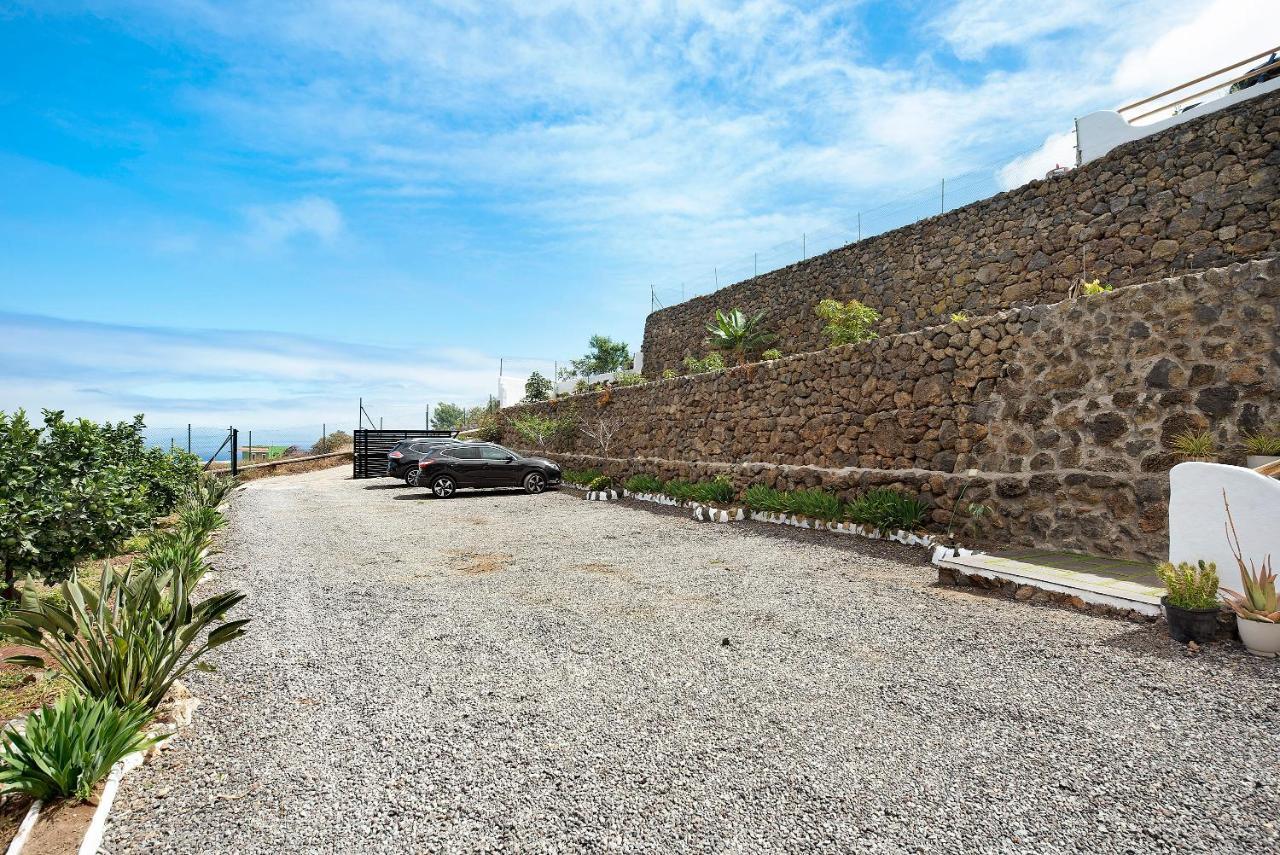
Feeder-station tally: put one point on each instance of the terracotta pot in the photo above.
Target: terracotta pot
(1261, 638)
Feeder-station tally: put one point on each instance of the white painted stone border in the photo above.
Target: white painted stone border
(603, 495)
(708, 513)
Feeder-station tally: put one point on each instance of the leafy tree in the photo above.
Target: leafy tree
(848, 323)
(604, 356)
(336, 440)
(447, 416)
(737, 334)
(74, 490)
(537, 387)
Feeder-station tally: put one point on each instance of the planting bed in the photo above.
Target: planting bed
(541, 673)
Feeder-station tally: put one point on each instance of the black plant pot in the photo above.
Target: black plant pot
(1198, 625)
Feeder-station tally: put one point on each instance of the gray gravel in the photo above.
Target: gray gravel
(500, 672)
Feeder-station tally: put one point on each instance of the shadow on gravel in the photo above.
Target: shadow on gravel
(461, 495)
(1153, 640)
(398, 485)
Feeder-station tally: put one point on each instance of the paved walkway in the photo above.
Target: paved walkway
(501, 672)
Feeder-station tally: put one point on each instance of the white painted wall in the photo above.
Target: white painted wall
(1098, 133)
(1197, 516)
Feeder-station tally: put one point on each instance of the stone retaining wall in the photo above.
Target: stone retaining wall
(1065, 411)
(1195, 196)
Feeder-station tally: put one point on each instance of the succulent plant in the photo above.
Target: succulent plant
(1259, 601)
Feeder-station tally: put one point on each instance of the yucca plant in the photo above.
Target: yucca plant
(735, 333)
(201, 519)
(132, 641)
(1190, 586)
(1259, 601)
(643, 484)
(180, 551)
(68, 747)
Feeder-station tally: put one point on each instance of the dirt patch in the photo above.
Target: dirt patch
(25, 689)
(12, 811)
(476, 563)
(599, 567)
(61, 827)
(477, 520)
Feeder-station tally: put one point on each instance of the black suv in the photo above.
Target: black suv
(483, 464)
(402, 461)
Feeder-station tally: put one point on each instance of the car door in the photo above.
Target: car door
(468, 466)
(503, 468)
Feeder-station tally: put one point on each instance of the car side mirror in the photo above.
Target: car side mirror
(510, 459)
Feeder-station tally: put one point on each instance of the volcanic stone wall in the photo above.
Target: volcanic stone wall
(1199, 195)
(1057, 416)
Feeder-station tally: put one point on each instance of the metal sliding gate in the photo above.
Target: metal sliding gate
(369, 459)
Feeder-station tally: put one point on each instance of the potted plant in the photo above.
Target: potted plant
(1258, 608)
(1191, 600)
(1263, 448)
(1196, 446)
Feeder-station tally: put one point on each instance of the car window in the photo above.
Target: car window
(495, 452)
(462, 452)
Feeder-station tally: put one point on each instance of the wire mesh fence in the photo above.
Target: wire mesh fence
(249, 444)
(938, 198)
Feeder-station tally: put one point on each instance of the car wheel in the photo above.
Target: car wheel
(443, 487)
(535, 482)
(411, 477)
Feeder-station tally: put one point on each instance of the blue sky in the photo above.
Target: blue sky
(256, 212)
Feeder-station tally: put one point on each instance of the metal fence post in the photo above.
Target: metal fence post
(324, 439)
(188, 437)
(235, 452)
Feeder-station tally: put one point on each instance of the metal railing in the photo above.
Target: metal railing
(1269, 68)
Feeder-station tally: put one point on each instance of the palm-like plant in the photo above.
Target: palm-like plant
(130, 642)
(735, 333)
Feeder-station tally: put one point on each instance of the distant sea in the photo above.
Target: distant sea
(209, 442)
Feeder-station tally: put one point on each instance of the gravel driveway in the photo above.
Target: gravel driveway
(500, 672)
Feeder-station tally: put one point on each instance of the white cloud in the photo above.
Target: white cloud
(212, 377)
(310, 216)
(974, 27)
(1058, 150)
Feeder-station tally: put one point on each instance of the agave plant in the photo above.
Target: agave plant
(68, 747)
(737, 334)
(1259, 601)
(210, 491)
(129, 643)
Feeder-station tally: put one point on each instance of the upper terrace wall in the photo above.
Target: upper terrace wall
(1065, 411)
(1195, 196)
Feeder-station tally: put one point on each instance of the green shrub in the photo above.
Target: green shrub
(132, 641)
(602, 482)
(581, 477)
(1091, 289)
(716, 491)
(760, 497)
(628, 378)
(711, 362)
(535, 429)
(678, 489)
(70, 746)
(643, 484)
(887, 510)
(771, 353)
(69, 491)
(848, 323)
(669, 374)
(488, 429)
(1190, 586)
(815, 503)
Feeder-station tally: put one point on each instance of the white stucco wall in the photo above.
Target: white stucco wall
(1197, 516)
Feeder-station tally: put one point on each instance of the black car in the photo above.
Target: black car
(402, 461)
(445, 469)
